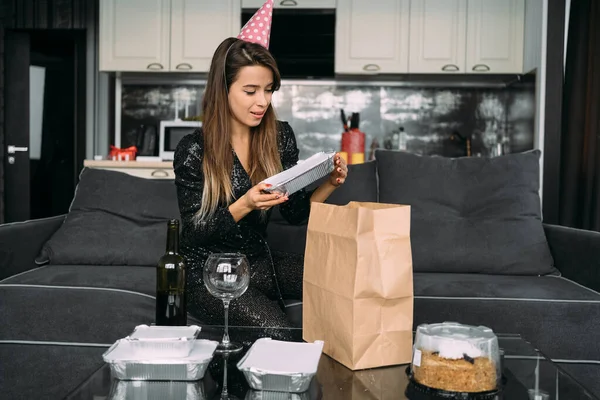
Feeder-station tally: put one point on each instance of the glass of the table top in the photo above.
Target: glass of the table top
(525, 369)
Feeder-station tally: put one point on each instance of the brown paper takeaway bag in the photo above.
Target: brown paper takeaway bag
(358, 283)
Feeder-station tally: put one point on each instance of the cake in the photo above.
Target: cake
(456, 358)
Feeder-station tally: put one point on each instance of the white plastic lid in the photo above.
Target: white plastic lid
(122, 351)
(453, 340)
(281, 357)
(299, 169)
(145, 332)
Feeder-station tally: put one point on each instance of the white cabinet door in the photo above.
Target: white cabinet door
(134, 35)
(291, 3)
(371, 36)
(197, 28)
(495, 36)
(437, 36)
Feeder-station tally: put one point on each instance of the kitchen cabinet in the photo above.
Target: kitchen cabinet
(534, 18)
(438, 31)
(291, 3)
(495, 36)
(197, 28)
(134, 35)
(467, 36)
(164, 35)
(372, 36)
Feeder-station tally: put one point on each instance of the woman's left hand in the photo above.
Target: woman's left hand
(340, 172)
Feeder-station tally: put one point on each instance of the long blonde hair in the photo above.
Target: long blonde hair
(232, 55)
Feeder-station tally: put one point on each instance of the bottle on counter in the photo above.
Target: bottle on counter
(401, 139)
(395, 139)
(353, 142)
(374, 146)
(170, 282)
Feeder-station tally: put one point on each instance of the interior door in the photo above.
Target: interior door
(16, 127)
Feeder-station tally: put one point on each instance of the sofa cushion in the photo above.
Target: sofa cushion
(470, 214)
(480, 286)
(361, 185)
(558, 316)
(71, 314)
(114, 219)
(95, 280)
(131, 279)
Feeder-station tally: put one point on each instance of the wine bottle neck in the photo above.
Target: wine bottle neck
(173, 239)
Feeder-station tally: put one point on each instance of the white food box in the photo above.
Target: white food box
(281, 366)
(157, 390)
(162, 341)
(265, 395)
(126, 364)
(302, 174)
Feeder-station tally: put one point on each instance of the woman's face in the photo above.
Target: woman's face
(250, 95)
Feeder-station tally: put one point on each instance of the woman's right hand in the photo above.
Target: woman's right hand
(257, 199)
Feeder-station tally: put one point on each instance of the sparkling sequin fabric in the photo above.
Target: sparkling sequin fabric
(273, 275)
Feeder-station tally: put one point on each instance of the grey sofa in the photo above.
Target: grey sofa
(71, 285)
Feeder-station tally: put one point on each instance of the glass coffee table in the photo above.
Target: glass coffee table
(525, 369)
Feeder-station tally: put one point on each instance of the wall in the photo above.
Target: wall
(35, 14)
(540, 123)
(429, 115)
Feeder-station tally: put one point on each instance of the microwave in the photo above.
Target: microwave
(170, 133)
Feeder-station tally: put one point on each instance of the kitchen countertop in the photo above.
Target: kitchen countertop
(127, 164)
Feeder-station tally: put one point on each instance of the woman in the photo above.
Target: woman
(218, 173)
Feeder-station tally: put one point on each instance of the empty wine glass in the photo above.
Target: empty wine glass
(227, 276)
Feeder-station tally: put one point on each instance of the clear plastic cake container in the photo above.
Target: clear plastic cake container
(163, 341)
(456, 358)
(125, 364)
(273, 365)
(301, 175)
(152, 390)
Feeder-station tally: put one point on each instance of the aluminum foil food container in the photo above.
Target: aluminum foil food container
(264, 395)
(152, 390)
(125, 364)
(302, 174)
(273, 365)
(163, 341)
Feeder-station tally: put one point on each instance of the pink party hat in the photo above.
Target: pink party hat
(258, 28)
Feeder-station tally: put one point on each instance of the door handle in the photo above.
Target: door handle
(184, 66)
(481, 67)
(371, 67)
(450, 67)
(12, 149)
(154, 66)
(160, 172)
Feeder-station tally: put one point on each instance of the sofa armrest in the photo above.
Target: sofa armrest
(576, 254)
(21, 242)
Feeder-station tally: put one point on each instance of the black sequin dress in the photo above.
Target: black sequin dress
(273, 275)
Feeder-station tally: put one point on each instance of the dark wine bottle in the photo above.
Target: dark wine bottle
(170, 282)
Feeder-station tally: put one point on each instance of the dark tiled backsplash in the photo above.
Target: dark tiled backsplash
(429, 115)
